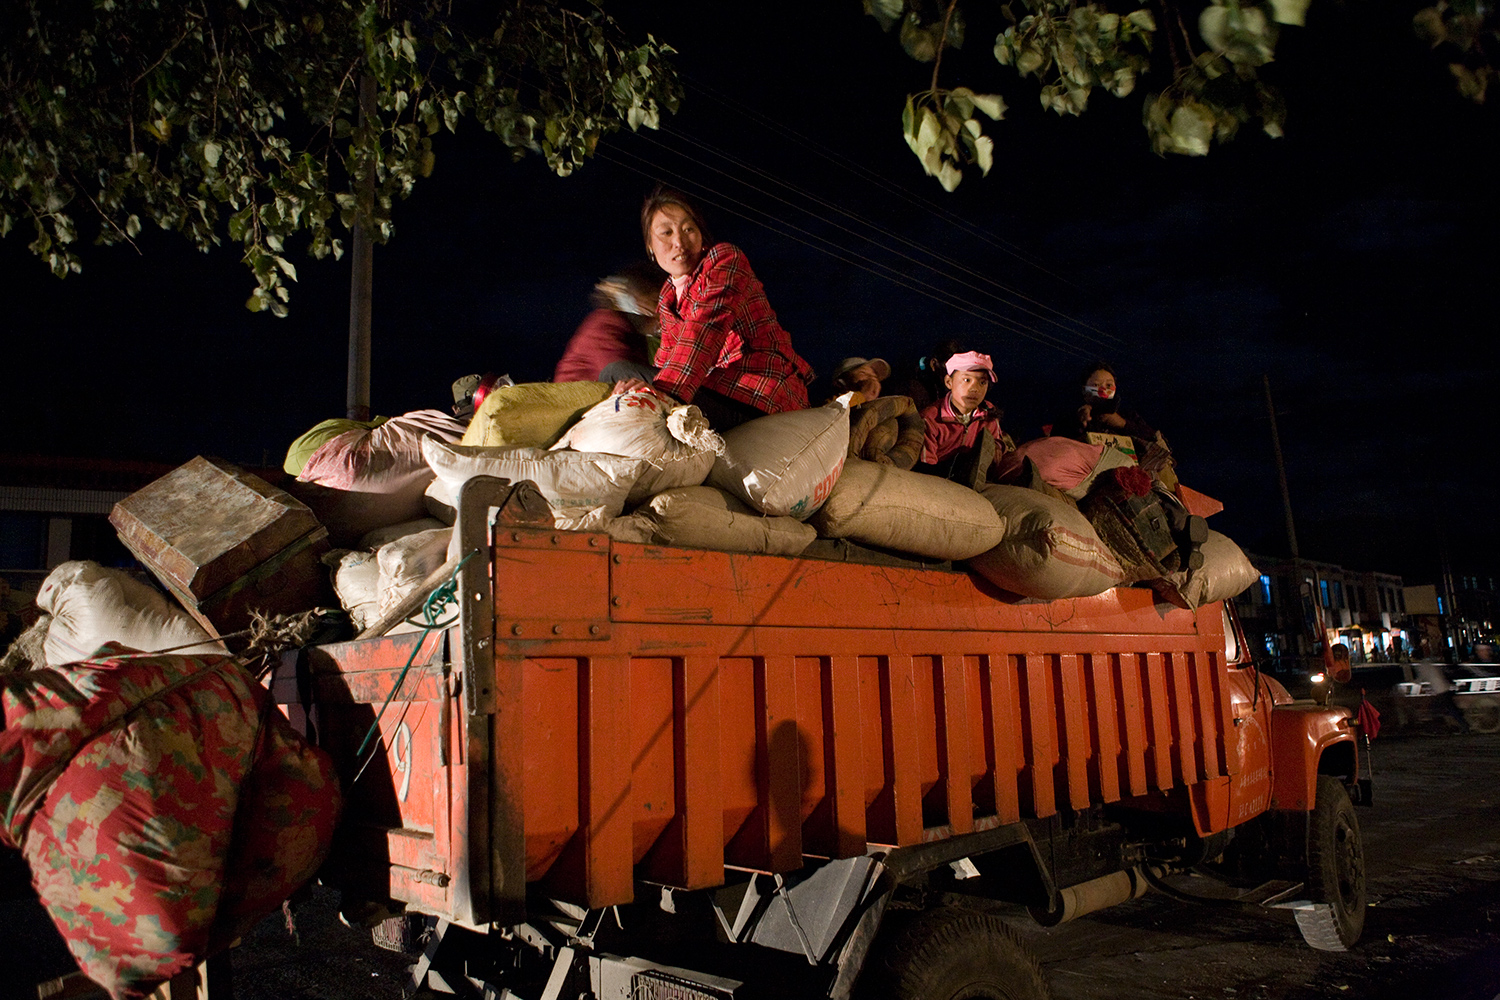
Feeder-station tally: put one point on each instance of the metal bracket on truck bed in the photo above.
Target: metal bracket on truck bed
(491, 821)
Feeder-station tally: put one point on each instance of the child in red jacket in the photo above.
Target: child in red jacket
(964, 441)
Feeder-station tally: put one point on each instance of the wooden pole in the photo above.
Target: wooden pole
(362, 280)
(1286, 494)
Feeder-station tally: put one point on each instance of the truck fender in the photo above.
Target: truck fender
(1308, 740)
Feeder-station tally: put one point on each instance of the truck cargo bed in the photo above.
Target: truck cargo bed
(611, 712)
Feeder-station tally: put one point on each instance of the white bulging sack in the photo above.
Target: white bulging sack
(584, 489)
(786, 463)
(1225, 573)
(675, 441)
(92, 604)
(404, 564)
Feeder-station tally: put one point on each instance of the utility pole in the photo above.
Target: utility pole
(1286, 494)
(362, 279)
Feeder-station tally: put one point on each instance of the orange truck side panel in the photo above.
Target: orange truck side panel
(777, 707)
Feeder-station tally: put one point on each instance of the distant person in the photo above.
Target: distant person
(921, 379)
(862, 375)
(964, 441)
(622, 326)
(722, 348)
(1441, 687)
(1096, 408)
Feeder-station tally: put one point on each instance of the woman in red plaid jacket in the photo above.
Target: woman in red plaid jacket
(721, 347)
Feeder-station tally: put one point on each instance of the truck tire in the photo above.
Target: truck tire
(952, 954)
(1335, 872)
(1482, 712)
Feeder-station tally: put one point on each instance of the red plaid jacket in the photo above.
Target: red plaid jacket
(723, 335)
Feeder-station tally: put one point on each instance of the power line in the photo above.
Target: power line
(876, 179)
(726, 202)
(953, 264)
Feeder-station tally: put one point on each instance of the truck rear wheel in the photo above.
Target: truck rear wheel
(1335, 872)
(952, 954)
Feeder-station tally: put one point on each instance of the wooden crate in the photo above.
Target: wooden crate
(226, 543)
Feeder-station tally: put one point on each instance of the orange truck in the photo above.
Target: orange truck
(630, 771)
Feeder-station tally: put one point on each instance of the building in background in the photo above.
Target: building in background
(1364, 610)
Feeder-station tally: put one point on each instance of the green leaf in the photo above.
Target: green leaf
(984, 154)
(1192, 129)
(885, 12)
(1429, 26)
(919, 42)
(991, 104)
(1213, 25)
(1142, 19)
(211, 151)
(1290, 11)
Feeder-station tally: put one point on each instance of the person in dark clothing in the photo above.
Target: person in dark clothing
(1098, 409)
(622, 327)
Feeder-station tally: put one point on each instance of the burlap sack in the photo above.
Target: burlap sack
(702, 517)
(892, 508)
(1049, 551)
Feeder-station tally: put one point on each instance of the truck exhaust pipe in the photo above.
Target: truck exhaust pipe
(1088, 897)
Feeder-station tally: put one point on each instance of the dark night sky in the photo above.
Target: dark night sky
(1352, 261)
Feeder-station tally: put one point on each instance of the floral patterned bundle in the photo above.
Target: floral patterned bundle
(163, 807)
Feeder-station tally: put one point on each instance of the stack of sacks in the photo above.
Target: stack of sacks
(675, 441)
(584, 489)
(389, 564)
(786, 464)
(370, 477)
(891, 508)
(768, 476)
(91, 605)
(533, 415)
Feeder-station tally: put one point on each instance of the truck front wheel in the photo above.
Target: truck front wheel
(952, 954)
(1335, 872)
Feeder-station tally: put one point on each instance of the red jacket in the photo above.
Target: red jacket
(947, 434)
(723, 335)
(603, 337)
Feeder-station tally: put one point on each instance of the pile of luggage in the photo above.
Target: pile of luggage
(1074, 520)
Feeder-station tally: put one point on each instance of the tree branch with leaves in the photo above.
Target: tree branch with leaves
(1072, 48)
(240, 118)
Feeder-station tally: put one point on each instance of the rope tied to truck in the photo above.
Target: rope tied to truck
(442, 601)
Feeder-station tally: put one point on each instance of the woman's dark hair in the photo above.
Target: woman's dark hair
(659, 198)
(1097, 366)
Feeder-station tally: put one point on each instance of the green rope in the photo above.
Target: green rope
(437, 603)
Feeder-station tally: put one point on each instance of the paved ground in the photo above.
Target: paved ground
(1432, 932)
